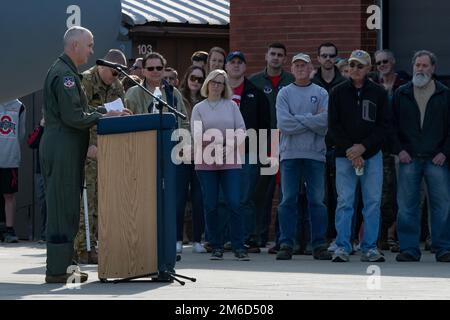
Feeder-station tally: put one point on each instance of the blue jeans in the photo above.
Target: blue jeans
(371, 186)
(249, 178)
(229, 181)
(408, 198)
(187, 183)
(292, 172)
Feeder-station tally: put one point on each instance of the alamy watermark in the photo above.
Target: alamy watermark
(213, 147)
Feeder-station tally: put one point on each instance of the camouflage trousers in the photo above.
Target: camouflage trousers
(91, 188)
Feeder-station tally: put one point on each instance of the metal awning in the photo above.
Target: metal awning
(198, 12)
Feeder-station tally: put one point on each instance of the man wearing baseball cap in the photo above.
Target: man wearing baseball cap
(254, 108)
(302, 119)
(358, 124)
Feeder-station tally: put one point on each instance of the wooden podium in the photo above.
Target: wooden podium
(134, 239)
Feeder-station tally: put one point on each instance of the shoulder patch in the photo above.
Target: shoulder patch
(69, 81)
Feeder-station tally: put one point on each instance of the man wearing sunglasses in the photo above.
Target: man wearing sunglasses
(328, 76)
(101, 85)
(387, 77)
(255, 111)
(139, 102)
(358, 123)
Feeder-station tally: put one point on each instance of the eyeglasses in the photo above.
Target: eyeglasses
(195, 78)
(379, 63)
(217, 83)
(325, 56)
(356, 65)
(159, 68)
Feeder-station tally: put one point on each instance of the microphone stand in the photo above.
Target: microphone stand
(166, 275)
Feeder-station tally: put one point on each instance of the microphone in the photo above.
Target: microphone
(117, 66)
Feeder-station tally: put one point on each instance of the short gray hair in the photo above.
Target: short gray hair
(388, 52)
(421, 53)
(73, 34)
(226, 93)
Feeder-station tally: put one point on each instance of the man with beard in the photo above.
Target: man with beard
(422, 142)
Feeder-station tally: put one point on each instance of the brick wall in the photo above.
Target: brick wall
(302, 25)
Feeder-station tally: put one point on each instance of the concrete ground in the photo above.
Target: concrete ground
(22, 269)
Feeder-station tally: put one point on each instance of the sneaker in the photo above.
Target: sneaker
(333, 246)
(207, 247)
(82, 276)
(285, 253)
(252, 247)
(322, 254)
(227, 246)
(217, 254)
(406, 257)
(340, 256)
(198, 248)
(373, 255)
(179, 246)
(10, 237)
(444, 257)
(241, 255)
(274, 249)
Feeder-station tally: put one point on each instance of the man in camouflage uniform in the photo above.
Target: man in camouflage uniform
(63, 149)
(101, 85)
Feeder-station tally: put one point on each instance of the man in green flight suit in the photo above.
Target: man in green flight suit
(101, 85)
(63, 149)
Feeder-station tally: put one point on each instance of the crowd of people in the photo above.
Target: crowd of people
(362, 150)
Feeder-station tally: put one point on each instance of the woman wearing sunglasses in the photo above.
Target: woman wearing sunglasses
(140, 102)
(187, 180)
(217, 161)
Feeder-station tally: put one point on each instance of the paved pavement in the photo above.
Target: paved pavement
(22, 269)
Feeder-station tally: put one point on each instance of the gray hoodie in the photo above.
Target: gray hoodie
(302, 115)
(12, 132)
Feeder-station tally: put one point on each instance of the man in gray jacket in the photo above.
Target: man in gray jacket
(302, 119)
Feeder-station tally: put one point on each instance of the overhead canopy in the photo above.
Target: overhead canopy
(197, 12)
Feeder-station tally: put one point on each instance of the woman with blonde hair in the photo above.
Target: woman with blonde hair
(217, 161)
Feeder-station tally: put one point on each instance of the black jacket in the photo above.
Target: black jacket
(338, 78)
(358, 116)
(254, 108)
(434, 135)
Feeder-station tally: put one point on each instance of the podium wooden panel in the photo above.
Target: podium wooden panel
(127, 208)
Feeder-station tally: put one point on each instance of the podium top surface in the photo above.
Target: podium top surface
(139, 122)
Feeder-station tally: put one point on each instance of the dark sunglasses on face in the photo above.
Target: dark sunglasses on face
(356, 65)
(195, 78)
(159, 68)
(379, 63)
(325, 56)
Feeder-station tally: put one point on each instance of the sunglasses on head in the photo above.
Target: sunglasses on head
(159, 68)
(325, 56)
(356, 65)
(195, 78)
(379, 63)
